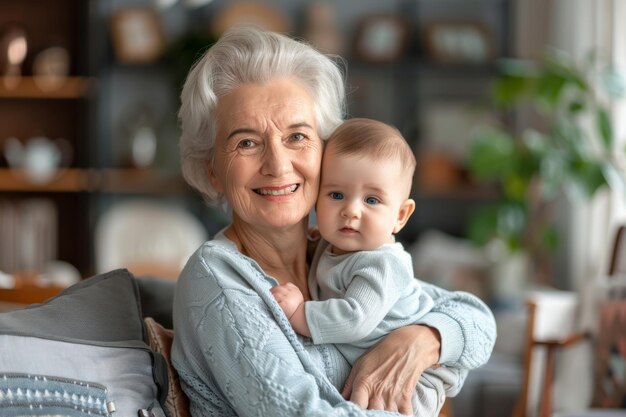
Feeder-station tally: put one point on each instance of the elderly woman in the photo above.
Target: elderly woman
(255, 111)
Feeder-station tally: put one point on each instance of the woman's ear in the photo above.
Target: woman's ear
(215, 182)
(406, 209)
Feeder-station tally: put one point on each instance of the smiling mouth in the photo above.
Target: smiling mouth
(348, 230)
(277, 191)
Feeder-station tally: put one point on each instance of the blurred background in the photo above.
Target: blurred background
(511, 106)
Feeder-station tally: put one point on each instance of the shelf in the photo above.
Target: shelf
(140, 181)
(31, 87)
(76, 180)
(66, 180)
(27, 290)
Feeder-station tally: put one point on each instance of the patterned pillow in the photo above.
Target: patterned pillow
(176, 402)
(83, 352)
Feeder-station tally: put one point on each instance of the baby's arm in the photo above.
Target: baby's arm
(290, 299)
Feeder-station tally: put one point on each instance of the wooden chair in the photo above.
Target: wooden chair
(552, 328)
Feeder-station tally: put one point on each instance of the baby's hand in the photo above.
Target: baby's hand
(288, 297)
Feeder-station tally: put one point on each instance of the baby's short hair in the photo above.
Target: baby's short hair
(374, 139)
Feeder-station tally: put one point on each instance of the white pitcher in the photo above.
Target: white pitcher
(39, 157)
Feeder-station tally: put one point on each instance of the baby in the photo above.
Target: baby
(362, 278)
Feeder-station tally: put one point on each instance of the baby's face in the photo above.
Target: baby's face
(361, 201)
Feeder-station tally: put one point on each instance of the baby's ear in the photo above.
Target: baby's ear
(406, 209)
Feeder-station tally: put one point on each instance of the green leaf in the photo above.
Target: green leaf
(560, 64)
(510, 89)
(506, 221)
(490, 154)
(515, 187)
(605, 128)
(588, 176)
(549, 89)
(576, 107)
(482, 225)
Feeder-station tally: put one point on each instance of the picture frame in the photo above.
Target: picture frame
(381, 38)
(448, 126)
(458, 42)
(137, 35)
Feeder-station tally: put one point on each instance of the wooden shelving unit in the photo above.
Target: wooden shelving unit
(75, 180)
(66, 180)
(41, 88)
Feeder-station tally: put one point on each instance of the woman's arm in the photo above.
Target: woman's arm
(465, 324)
(459, 331)
(232, 347)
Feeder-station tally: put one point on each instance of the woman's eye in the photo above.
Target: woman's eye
(297, 137)
(372, 200)
(245, 144)
(336, 195)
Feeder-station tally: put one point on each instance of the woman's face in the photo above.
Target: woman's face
(267, 153)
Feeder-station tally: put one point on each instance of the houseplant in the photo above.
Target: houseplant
(563, 148)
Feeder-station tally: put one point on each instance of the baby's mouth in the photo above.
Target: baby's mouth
(277, 190)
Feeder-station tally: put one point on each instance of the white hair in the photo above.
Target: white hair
(245, 55)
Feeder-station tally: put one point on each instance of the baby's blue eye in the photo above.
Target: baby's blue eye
(372, 201)
(335, 195)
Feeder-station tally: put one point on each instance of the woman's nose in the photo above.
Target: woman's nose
(276, 160)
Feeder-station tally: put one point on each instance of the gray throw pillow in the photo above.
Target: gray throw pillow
(92, 337)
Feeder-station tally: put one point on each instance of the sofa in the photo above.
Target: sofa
(92, 351)
(106, 343)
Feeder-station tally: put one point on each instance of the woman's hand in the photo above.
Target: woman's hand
(385, 377)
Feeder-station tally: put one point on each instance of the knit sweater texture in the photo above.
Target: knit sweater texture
(362, 296)
(237, 354)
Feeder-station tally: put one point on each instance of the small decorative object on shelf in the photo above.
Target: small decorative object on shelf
(138, 130)
(382, 38)
(51, 68)
(321, 29)
(40, 157)
(248, 12)
(13, 50)
(137, 35)
(458, 42)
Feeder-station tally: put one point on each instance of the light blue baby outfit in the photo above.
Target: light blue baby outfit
(365, 295)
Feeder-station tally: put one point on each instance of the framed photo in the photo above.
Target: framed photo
(137, 35)
(458, 42)
(381, 38)
(448, 127)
